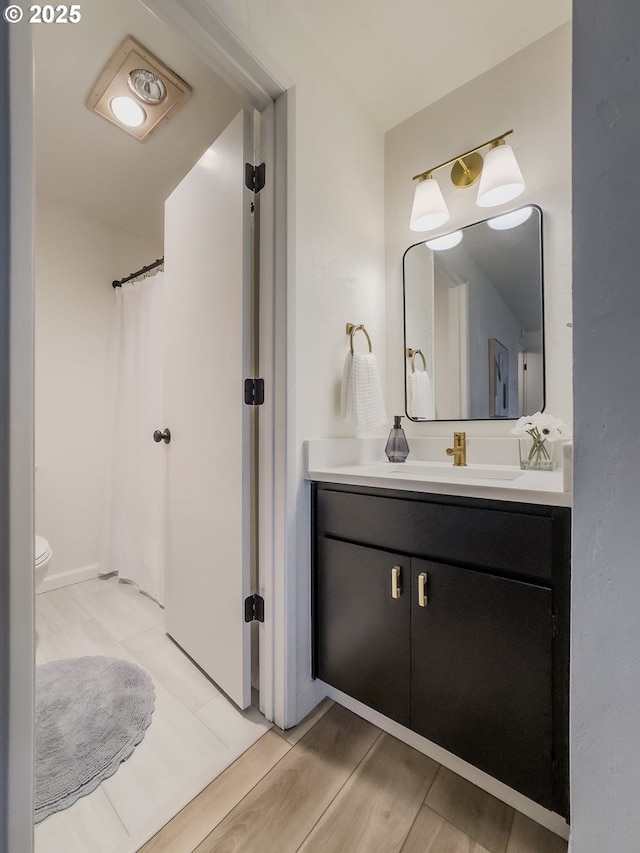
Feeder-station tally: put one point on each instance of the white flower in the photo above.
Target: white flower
(542, 427)
(525, 424)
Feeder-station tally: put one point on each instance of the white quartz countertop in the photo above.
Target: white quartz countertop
(477, 480)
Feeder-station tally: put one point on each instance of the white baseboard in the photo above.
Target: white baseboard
(55, 581)
(308, 698)
(516, 800)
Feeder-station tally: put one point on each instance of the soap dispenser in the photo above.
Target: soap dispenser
(397, 448)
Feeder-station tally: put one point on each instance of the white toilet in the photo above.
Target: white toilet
(43, 554)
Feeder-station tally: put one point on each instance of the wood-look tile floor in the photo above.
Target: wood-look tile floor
(195, 731)
(337, 784)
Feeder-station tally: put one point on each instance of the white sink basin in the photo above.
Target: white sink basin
(448, 471)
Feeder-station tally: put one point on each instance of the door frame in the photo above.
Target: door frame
(17, 593)
(240, 64)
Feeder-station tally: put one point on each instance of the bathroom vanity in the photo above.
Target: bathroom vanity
(450, 615)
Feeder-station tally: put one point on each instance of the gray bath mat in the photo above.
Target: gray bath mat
(91, 713)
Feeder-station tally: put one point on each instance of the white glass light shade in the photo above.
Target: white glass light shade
(510, 220)
(501, 178)
(429, 209)
(447, 241)
(127, 111)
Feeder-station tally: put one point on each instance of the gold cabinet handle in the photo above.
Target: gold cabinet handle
(422, 589)
(395, 582)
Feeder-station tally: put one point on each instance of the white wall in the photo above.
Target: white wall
(77, 257)
(339, 279)
(531, 93)
(605, 672)
(336, 233)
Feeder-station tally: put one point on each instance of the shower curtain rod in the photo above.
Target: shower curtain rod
(156, 263)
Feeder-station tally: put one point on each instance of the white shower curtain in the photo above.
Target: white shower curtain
(134, 513)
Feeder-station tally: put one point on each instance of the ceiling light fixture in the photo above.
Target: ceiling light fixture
(147, 86)
(127, 111)
(136, 91)
(500, 181)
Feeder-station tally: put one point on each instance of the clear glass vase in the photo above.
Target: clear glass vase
(536, 454)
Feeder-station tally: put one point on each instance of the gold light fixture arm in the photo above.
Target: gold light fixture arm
(460, 157)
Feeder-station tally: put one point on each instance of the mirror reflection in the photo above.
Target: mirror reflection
(473, 319)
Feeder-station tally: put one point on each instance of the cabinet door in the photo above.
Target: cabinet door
(362, 636)
(481, 673)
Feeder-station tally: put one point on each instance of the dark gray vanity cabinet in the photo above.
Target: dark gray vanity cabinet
(365, 624)
(450, 616)
(481, 667)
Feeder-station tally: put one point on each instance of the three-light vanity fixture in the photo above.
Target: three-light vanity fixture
(499, 175)
(136, 90)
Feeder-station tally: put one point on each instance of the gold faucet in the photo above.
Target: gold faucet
(459, 449)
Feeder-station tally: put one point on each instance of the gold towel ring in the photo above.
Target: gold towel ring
(412, 353)
(351, 330)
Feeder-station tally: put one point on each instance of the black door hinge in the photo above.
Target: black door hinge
(554, 626)
(254, 176)
(254, 608)
(254, 392)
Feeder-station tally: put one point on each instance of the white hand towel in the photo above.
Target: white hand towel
(421, 402)
(362, 402)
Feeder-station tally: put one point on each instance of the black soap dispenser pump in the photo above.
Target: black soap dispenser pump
(397, 448)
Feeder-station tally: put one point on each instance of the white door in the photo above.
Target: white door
(208, 252)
